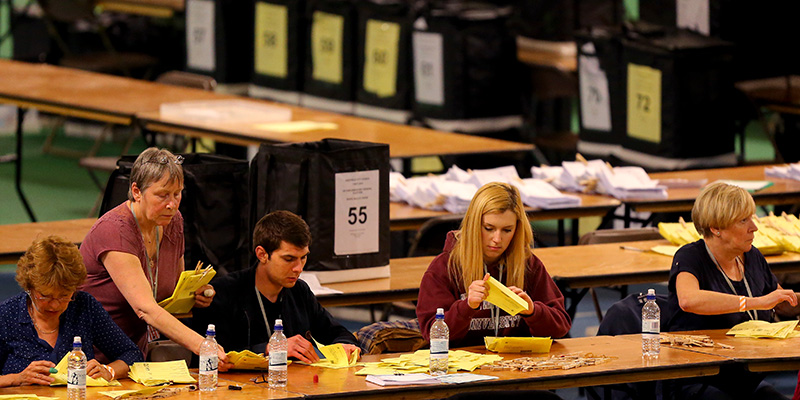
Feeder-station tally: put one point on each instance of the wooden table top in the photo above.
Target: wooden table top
(783, 191)
(147, 8)
(626, 366)
(403, 140)
(760, 355)
(16, 238)
(780, 90)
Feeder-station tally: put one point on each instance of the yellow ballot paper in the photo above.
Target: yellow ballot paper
(667, 250)
(246, 359)
(518, 344)
(336, 356)
(764, 329)
(182, 300)
(22, 396)
(504, 298)
(297, 126)
(159, 373)
(61, 376)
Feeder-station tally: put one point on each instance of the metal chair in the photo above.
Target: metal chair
(167, 350)
(430, 237)
(616, 236)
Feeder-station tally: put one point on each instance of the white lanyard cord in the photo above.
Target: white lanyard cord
(148, 265)
(493, 309)
(264, 313)
(740, 264)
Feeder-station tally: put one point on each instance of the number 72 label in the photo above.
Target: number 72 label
(644, 103)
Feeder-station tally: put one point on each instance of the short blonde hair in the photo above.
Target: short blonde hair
(466, 258)
(719, 205)
(52, 262)
(151, 166)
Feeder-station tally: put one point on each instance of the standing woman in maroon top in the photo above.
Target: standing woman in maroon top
(134, 254)
(494, 240)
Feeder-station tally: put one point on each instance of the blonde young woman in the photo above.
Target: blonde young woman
(494, 240)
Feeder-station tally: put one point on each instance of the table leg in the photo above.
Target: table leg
(18, 165)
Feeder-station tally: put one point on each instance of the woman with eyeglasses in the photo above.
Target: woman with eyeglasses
(38, 325)
(134, 254)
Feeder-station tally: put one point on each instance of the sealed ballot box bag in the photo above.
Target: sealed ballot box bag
(330, 62)
(280, 42)
(214, 30)
(214, 206)
(678, 92)
(341, 189)
(384, 60)
(466, 73)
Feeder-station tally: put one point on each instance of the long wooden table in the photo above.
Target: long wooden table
(16, 238)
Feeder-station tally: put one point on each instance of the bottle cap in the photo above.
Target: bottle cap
(651, 291)
(440, 311)
(212, 330)
(76, 341)
(279, 324)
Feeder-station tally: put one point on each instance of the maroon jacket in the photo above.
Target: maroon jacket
(467, 326)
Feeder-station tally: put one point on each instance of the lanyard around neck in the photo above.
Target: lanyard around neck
(150, 265)
(263, 312)
(740, 264)
(493, 309)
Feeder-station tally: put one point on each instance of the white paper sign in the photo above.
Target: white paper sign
(357, 212)
(694, 15)
(200, 50)
(429, 67)
(595, 104)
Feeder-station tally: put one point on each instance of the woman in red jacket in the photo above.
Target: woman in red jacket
(494, 240)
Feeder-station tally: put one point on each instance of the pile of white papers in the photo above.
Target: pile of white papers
(454, 190)
(791, 171)
(596, 176)
(425, 379)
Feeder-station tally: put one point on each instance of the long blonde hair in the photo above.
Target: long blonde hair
(466, 258)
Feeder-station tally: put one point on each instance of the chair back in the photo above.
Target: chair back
(167, 350)
(619, 235)
(431, 236)
(68, 11)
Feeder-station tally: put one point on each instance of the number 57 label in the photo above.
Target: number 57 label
(356, 222)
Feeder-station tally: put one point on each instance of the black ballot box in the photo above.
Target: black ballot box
(216, 34)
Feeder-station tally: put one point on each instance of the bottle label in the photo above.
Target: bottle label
(652, 326)
(208, 364)
(439, 348)
(76, 378)
(277, 360)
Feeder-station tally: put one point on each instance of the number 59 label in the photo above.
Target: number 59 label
(356, 222)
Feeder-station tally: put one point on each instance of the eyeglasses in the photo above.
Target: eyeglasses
(164, 160)
(48, 299)
(257, 380)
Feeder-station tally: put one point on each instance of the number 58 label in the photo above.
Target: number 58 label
(356, 222)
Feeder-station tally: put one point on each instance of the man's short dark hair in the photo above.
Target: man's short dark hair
(281, 226)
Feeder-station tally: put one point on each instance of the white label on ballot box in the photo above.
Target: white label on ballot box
(428, 67)
(357, 215)
(200, 49)
(595, 105)
(694, 15)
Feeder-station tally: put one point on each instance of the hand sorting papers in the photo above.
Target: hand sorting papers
(61, 376)
(182, 299)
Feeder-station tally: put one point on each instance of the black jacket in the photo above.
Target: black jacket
(240, 324)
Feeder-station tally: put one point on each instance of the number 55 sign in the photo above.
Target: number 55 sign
(356, 222)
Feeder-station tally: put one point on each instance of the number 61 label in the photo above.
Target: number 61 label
(356, 222)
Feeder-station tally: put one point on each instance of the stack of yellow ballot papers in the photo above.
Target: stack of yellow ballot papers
(504, 298)
(24, 396)
(764, 329)
(336, 356)
(61, 376)
(518, 344)
(246, 359)
(418, 363)
(681, 233)
(182, 299)
(160, 373)
(784, 230)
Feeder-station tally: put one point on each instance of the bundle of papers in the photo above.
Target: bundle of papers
(629, 182)
(518, 344)
(764, 329)
(454, 190)
(61, 376)
(182, 299)
(790, 171)
(336, 356)
(784, 230)
(418, 363)
(425, 379)
(246, 359)
(538, 193)
(25, 396)
(765, 239)
(159, 373)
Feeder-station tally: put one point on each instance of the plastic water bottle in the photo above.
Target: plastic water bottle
(277, 357)
(209, 360)
(440, 344)
(651, 326)
(76, 372)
